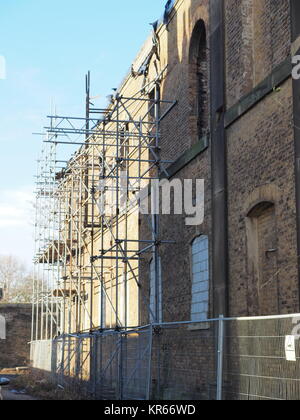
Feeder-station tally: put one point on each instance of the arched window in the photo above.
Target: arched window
(156, 314)
(198, 62)
(200, 279)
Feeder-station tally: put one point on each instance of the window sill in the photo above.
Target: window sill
(199, 326)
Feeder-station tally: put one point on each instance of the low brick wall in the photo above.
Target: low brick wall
(15, 350)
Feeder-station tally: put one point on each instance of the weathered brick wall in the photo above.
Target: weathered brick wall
(176, 258)
(15, 350)
(261, 158)
(179, 128)
(258, 38)
(260, 154)
(183, 364)
(179, 134)
(260, 149)
(180, 351)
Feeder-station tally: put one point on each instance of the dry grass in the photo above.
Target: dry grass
(40, 385)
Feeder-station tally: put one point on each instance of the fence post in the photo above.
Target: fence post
(120, 367)
(220, 358)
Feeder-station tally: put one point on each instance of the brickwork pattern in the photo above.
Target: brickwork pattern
(15, 350)
(258, 38)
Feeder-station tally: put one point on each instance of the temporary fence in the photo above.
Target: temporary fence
(220, 359)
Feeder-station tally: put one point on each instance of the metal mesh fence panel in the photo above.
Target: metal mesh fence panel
(105, 362)
(70, 363)
(184, 362)
(136, 365)
(256, 367)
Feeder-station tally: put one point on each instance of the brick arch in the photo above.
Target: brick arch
(198, 81)
(259, 208)
(269, 194)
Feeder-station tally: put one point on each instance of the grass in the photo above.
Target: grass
(41, 386)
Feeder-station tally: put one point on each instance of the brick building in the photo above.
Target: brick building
(226, 67)
(234, 127)
(14, 344)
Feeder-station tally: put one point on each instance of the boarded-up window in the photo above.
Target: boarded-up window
(200, 279)
(263, 293)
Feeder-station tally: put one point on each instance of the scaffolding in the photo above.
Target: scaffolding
(87, 284)
(88, 244)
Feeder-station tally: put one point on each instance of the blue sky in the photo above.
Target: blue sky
(48, 48)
